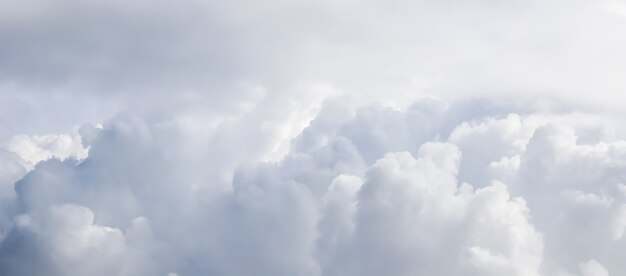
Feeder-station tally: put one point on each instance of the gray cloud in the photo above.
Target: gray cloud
(133, 54)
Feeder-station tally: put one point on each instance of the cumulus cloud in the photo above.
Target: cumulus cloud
(21, 154)
(298, 138)
(365, 191)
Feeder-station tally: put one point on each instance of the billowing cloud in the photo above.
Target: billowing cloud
(366, 191)
(312, 137)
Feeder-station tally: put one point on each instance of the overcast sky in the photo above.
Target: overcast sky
(327, 137)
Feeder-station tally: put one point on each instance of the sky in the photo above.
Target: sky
(322, 138)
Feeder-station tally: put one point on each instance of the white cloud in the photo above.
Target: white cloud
(359, 192)
(20, 154)
(593, 268)
(63, 241)
(34, 149)
(296, 138)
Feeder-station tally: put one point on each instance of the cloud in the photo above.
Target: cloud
(298, 138)
(97, 58)
(20, 155)
(361, 191)
(409, 214)
(63, 232)
(592, 267)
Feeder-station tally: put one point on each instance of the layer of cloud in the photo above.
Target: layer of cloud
(466, 188)
(293, 138)
(95, 58)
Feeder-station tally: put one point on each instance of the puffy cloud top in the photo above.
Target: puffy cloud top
(299, 138)
(428, 190)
